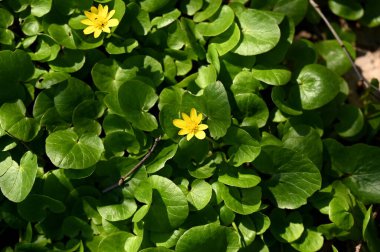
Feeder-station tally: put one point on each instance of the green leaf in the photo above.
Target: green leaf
(68, 61)
(14, 121)
(309, 241)
(108, 75)
(118, 211)
(335, 57)
(351, 10)
(200, 194)
(169, 207)
(351, 121)
(160, 156)
(222, 22)
(370, 232)
(226, 41)
(69, 95)
(318, 86)
(244, 148)
(211, 8)
(36, 207)
(260, 32)
(6, 18)
(295, 9)
(136, 98)
(17, 182)
(206, 75)
(66, 149)
(360, 169)
(145, 67)
(294, 178)
(286, 227)
(152, 5)
(210, 237)
(238, 176)
(242, 201)
(214, 104)
(305, 140)
(40, 8)
(114, 241)
(273, 75)
(14, 67)
(166, 19)
(371, 16)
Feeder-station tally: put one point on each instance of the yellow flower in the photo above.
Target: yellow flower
(99, 20)
(190, 125)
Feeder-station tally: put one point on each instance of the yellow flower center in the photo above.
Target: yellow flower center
(192, 126)
(100, 23)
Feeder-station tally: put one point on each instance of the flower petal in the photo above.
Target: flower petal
(200, 134)
(183, 132)
(91, 16)
(193, 115)
(106, 29)
(186, 118)
(189, 136)
(105, 11)
(110, 14)
(202, 126)
(112, 22)
(94, 10)
(179, 123)
(89, 30)
(87, 22)
(199, 118)
(97, 33)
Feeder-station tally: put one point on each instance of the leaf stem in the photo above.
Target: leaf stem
(361, 79)
(135, 168)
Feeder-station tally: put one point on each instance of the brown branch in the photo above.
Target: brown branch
(361, 79)
(135, 168)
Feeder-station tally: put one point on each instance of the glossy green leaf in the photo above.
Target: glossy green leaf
(238, 176)
(306, 140)
(226, 41)
(200, 194)
(40, 8)
(6, 18)
(210, 9)
(136, 98)
(244, 148)
(214, 104)
(309, 241)
(17, 182)
(294, 178)
(295, 9)
(108, 75)
(370, 232)
(359, 165)
(210, 237)
(166, 19)
(114, 241)
(351, 10)
(260, 32)
(242, 201)
(286, 227)
(351, 121)
(271, 75)
(36, 207)
(222, 22)
(206, 75)
(118, 212)
(169, 207)
(157, 161)
(66, 149)
(318, 86)
(335, 57)
(14, 121)
(68, 61)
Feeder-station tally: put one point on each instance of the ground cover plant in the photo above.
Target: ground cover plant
(194, 125)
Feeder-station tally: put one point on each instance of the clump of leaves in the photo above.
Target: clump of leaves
(90, 159)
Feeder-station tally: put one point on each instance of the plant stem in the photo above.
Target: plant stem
(135, 168)
(361, 79)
